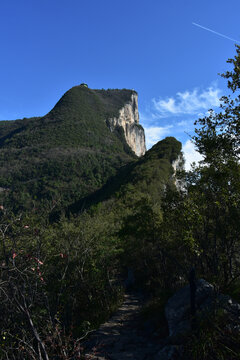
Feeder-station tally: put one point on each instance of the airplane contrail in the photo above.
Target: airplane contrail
(217, 33)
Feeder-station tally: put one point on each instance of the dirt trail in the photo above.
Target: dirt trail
(121, 338)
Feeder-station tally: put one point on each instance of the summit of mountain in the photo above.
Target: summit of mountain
(71, 151)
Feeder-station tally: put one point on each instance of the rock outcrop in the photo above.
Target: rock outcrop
(128, 119)
(178, 165)
(177, 310)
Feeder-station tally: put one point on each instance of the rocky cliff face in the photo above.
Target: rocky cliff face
(177, 165)
(128, 119)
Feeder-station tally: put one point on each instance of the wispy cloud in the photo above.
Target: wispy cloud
(155, 134)
(182, 123)
(175, 116)
(216, 33)
(190, 154)
(188, 102)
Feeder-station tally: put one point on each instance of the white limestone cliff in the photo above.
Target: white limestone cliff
(128, 119)
(178, 165)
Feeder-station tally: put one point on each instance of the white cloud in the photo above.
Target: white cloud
(182, 123)
(188, 102)
(190, 154)
(155, 134)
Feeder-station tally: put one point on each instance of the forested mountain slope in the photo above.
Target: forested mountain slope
(147, 176)
(71, 151)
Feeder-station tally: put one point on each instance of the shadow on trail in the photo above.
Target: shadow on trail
(121, 337)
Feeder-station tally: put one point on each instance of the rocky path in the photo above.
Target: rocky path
(121, 338)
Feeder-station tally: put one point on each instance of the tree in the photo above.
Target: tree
(215, 187)
(218, 137)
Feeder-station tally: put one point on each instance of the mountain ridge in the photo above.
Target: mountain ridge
(71, 150)
(155, 165)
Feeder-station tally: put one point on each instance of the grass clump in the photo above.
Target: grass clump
(218, 338)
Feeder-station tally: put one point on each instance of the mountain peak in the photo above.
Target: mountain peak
(118, 107)
(73, 149)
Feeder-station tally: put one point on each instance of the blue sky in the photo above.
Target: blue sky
(48, 46)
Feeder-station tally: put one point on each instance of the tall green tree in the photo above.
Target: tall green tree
(215, 184)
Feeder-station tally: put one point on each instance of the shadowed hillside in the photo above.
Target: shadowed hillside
(148, 175)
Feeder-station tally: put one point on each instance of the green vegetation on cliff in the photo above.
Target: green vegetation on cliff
(68, 153)
(145, 177)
